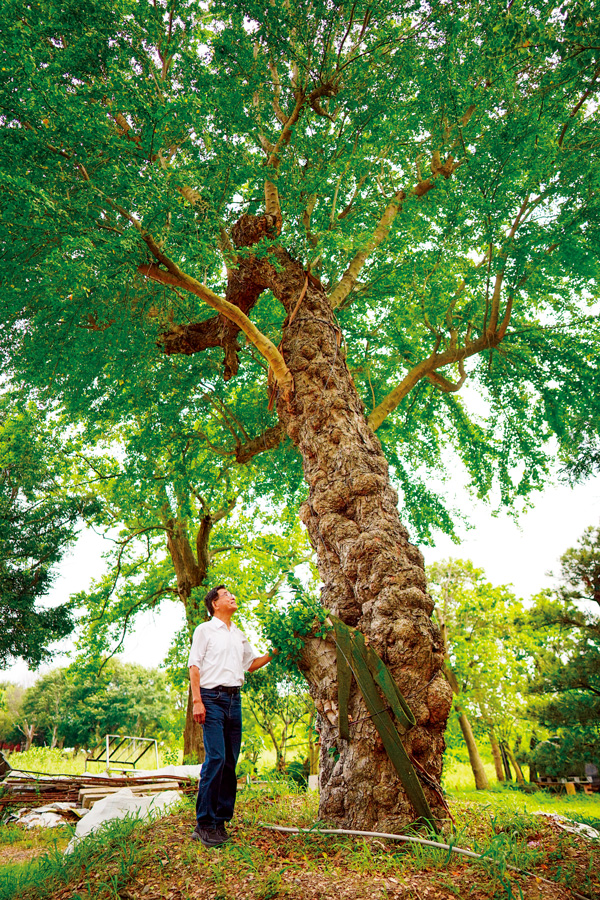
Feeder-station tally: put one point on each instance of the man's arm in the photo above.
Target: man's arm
(199, 708)
(260, 661)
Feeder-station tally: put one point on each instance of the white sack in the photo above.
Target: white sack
(120, 804)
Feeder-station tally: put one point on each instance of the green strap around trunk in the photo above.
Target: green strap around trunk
(354, 657)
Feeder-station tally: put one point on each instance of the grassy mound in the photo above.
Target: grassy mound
(147, 861)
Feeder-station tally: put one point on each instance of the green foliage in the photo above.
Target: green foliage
(565, 682)
(38, 524)
(109, 120)
(287, 624)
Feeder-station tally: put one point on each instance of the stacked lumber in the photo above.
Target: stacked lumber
(90, 795)
(26, 789)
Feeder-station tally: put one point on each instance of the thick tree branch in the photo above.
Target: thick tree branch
(350, 276)
(427, 367)
(269, 439)
(286, 133)
(449, 386)
(277, 94)
(176, 278)
(492, 326)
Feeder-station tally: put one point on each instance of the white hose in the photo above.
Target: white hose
(411, 840)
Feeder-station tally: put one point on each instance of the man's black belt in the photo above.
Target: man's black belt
(226, 688)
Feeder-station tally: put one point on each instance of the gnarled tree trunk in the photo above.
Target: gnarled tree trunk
(373, 577)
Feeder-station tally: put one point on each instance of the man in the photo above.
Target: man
(219, 656)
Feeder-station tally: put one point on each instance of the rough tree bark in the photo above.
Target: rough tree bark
(373, 577)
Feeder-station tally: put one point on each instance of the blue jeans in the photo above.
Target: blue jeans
(222, 741)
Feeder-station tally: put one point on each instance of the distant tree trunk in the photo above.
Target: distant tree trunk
(191, 569)
(496, 755)
(279, 748)
(54, 741)
(193, 742)
(29, 733)
(505, 762)
(518, 773)
(481, 779)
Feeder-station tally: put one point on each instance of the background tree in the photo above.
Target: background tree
(79, 705)
(485, 658)
(567, 663)
(385, 201)
(38, 524)
(46, 704)
(12, 696)
(282, 709)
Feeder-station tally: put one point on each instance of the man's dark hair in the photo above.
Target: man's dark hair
(211, 597)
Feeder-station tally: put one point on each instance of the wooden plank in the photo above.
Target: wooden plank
(354, 652)
(343, 653)
(88, 796)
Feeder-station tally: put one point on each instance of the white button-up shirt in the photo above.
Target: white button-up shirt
(221, 654)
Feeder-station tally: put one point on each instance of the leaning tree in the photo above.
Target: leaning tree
(357, 209)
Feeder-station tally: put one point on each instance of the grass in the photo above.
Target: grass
(131, 860)
(48, 762)
(65, 762)
(579, 807)
(139, 861)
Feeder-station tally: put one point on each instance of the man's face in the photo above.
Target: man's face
(225, 601)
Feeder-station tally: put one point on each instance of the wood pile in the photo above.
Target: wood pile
(22, 789)
(90, 795)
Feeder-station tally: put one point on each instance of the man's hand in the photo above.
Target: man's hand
(261, 661)
(199, 712)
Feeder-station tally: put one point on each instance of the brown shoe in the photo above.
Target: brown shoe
(209, 837)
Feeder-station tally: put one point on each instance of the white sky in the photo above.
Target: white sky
(521, 554)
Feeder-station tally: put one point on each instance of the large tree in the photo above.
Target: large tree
(566, 677)
(346, 205)
(39, 516)
(485, 660)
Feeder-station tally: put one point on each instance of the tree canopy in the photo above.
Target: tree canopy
(436, 168)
